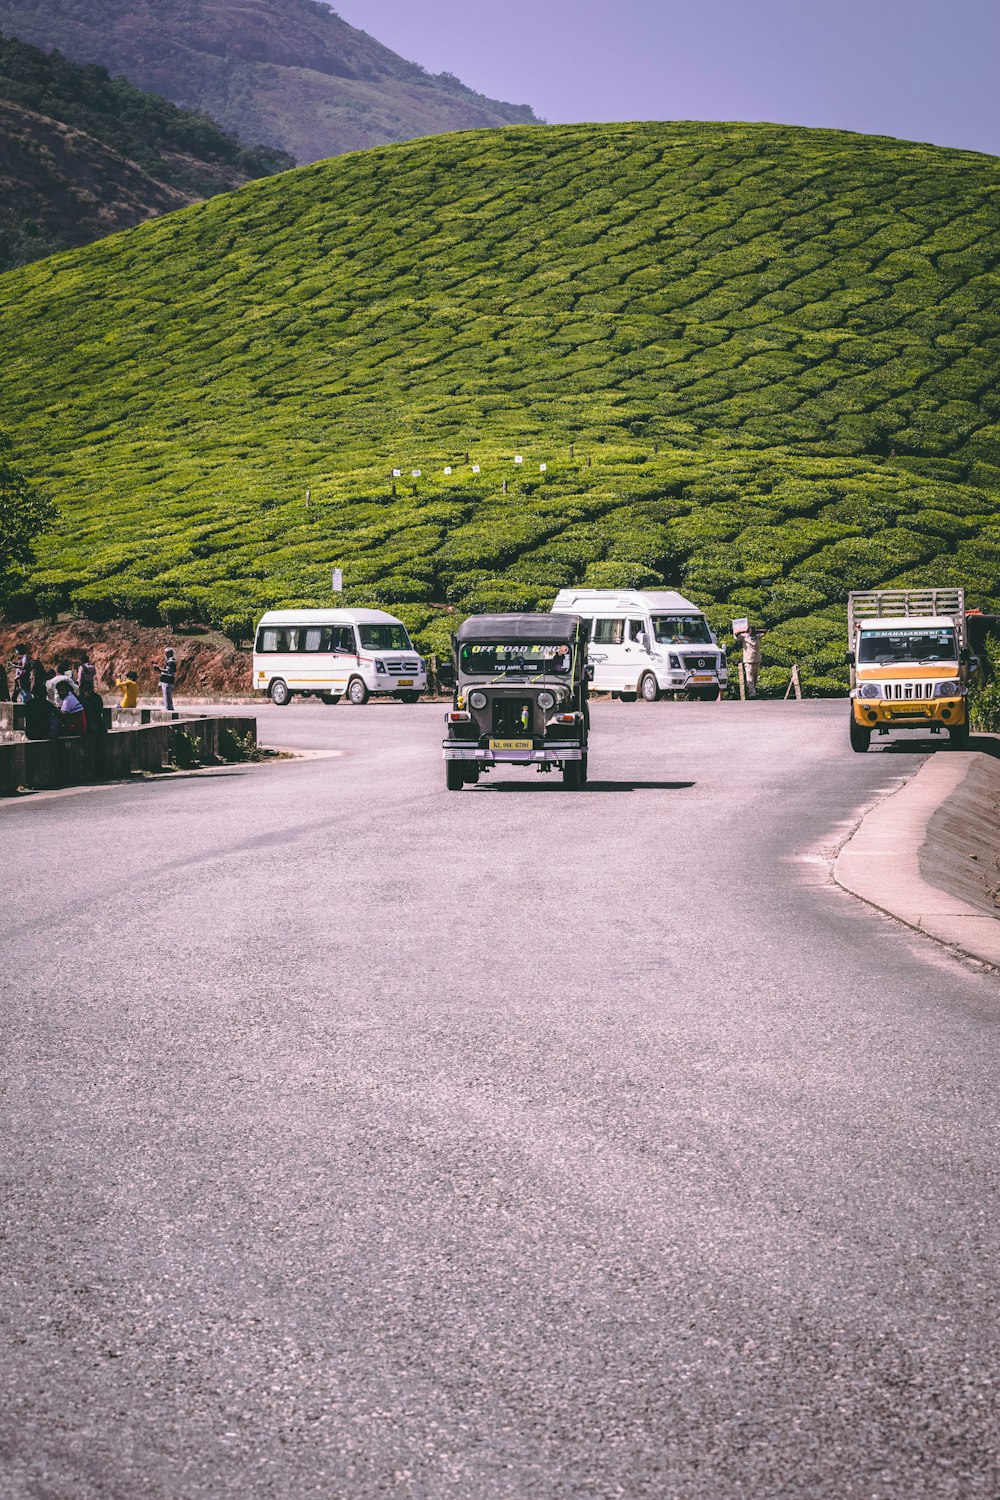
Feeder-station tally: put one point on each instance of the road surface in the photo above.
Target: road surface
(363, 1139)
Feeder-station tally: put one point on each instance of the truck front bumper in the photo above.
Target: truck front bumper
(552, 754)
(880, 713)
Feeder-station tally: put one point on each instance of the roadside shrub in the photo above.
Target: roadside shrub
(184, 753)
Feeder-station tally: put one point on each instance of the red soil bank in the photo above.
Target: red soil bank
(208, 666)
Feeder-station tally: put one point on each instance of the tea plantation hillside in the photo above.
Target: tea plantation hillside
(758, 362)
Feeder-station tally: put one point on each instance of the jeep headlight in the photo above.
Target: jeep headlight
(870, 690)
(477, 700)
(546, 700)
(952, 688)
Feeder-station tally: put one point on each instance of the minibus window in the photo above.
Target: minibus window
(343, 639)
(635, 629)
(267, 640)
(319, 638)
(609, 632)
(384, 638)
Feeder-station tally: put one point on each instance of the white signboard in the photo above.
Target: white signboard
(542, 468)
(740, 627)
(448, 469)
(415, 473)
(338, 580)
(397, 473)
(475, 468)
(518, 459)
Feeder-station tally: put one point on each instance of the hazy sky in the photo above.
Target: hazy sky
(926, 70)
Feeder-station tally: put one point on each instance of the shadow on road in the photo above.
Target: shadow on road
(546, 784)
(986, 744)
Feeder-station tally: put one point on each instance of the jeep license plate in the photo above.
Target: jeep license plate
(510, 744)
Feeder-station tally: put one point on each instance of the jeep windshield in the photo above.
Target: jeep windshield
(682, 630)
(384, 638)
(881, 646)
(513, 659)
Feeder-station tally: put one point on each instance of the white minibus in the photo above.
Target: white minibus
(645, 643)
(330, 653)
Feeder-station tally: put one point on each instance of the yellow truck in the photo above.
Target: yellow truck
(910, 663)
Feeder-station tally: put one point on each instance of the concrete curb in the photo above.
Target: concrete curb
(903, 857)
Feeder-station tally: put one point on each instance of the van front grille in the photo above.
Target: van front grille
(700, 663)
(898, 691)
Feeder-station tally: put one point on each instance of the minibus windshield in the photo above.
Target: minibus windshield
(689, 630)
(907, 645)
(384, 638)
(516, 659)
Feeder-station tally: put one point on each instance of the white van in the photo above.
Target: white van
(643, 644)
(330, 652)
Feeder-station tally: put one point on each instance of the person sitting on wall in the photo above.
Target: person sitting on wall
(40, 719)
(128, 686)
(93, 708)
(72, 719)
(61, 674)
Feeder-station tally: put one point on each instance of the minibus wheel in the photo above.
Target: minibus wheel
(454, 775)
(357, 693)
(408, 697)
(330, 697)
(280, 695)
(628, 697)
(649, 688)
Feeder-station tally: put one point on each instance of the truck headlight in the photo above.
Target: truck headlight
(869, 690)
(477, 700)
(675, 662)
(546, 700)
(950, 689)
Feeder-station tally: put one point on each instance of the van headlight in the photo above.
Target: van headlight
(870, 690)
(546, 700)
(379, 666)
(477, 700)
(675, 662)
(950, 689)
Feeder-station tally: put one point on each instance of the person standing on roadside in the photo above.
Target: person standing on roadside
(750, 641)
(168, 676)
(22, 674)
(86, 676)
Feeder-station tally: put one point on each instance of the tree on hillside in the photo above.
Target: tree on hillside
(23, 514)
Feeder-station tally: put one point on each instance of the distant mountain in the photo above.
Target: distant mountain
(83, 155)
(290, 73)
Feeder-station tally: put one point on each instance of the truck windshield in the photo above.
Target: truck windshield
(683, 630)
(907, 645)
(513, 659)
(384, 638)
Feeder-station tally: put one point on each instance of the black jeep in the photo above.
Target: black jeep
(520, 697)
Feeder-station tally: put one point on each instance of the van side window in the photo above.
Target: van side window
(609, 632)
(267, 640)
(635, 629)
(343, 639)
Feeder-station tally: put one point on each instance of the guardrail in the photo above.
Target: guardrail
(79, 760)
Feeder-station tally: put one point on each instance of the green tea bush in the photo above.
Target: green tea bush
(760, 364)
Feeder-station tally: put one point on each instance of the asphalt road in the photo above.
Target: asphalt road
(362, 1139)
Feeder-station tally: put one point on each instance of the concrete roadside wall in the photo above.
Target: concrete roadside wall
(930, 853)
(42, 764)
